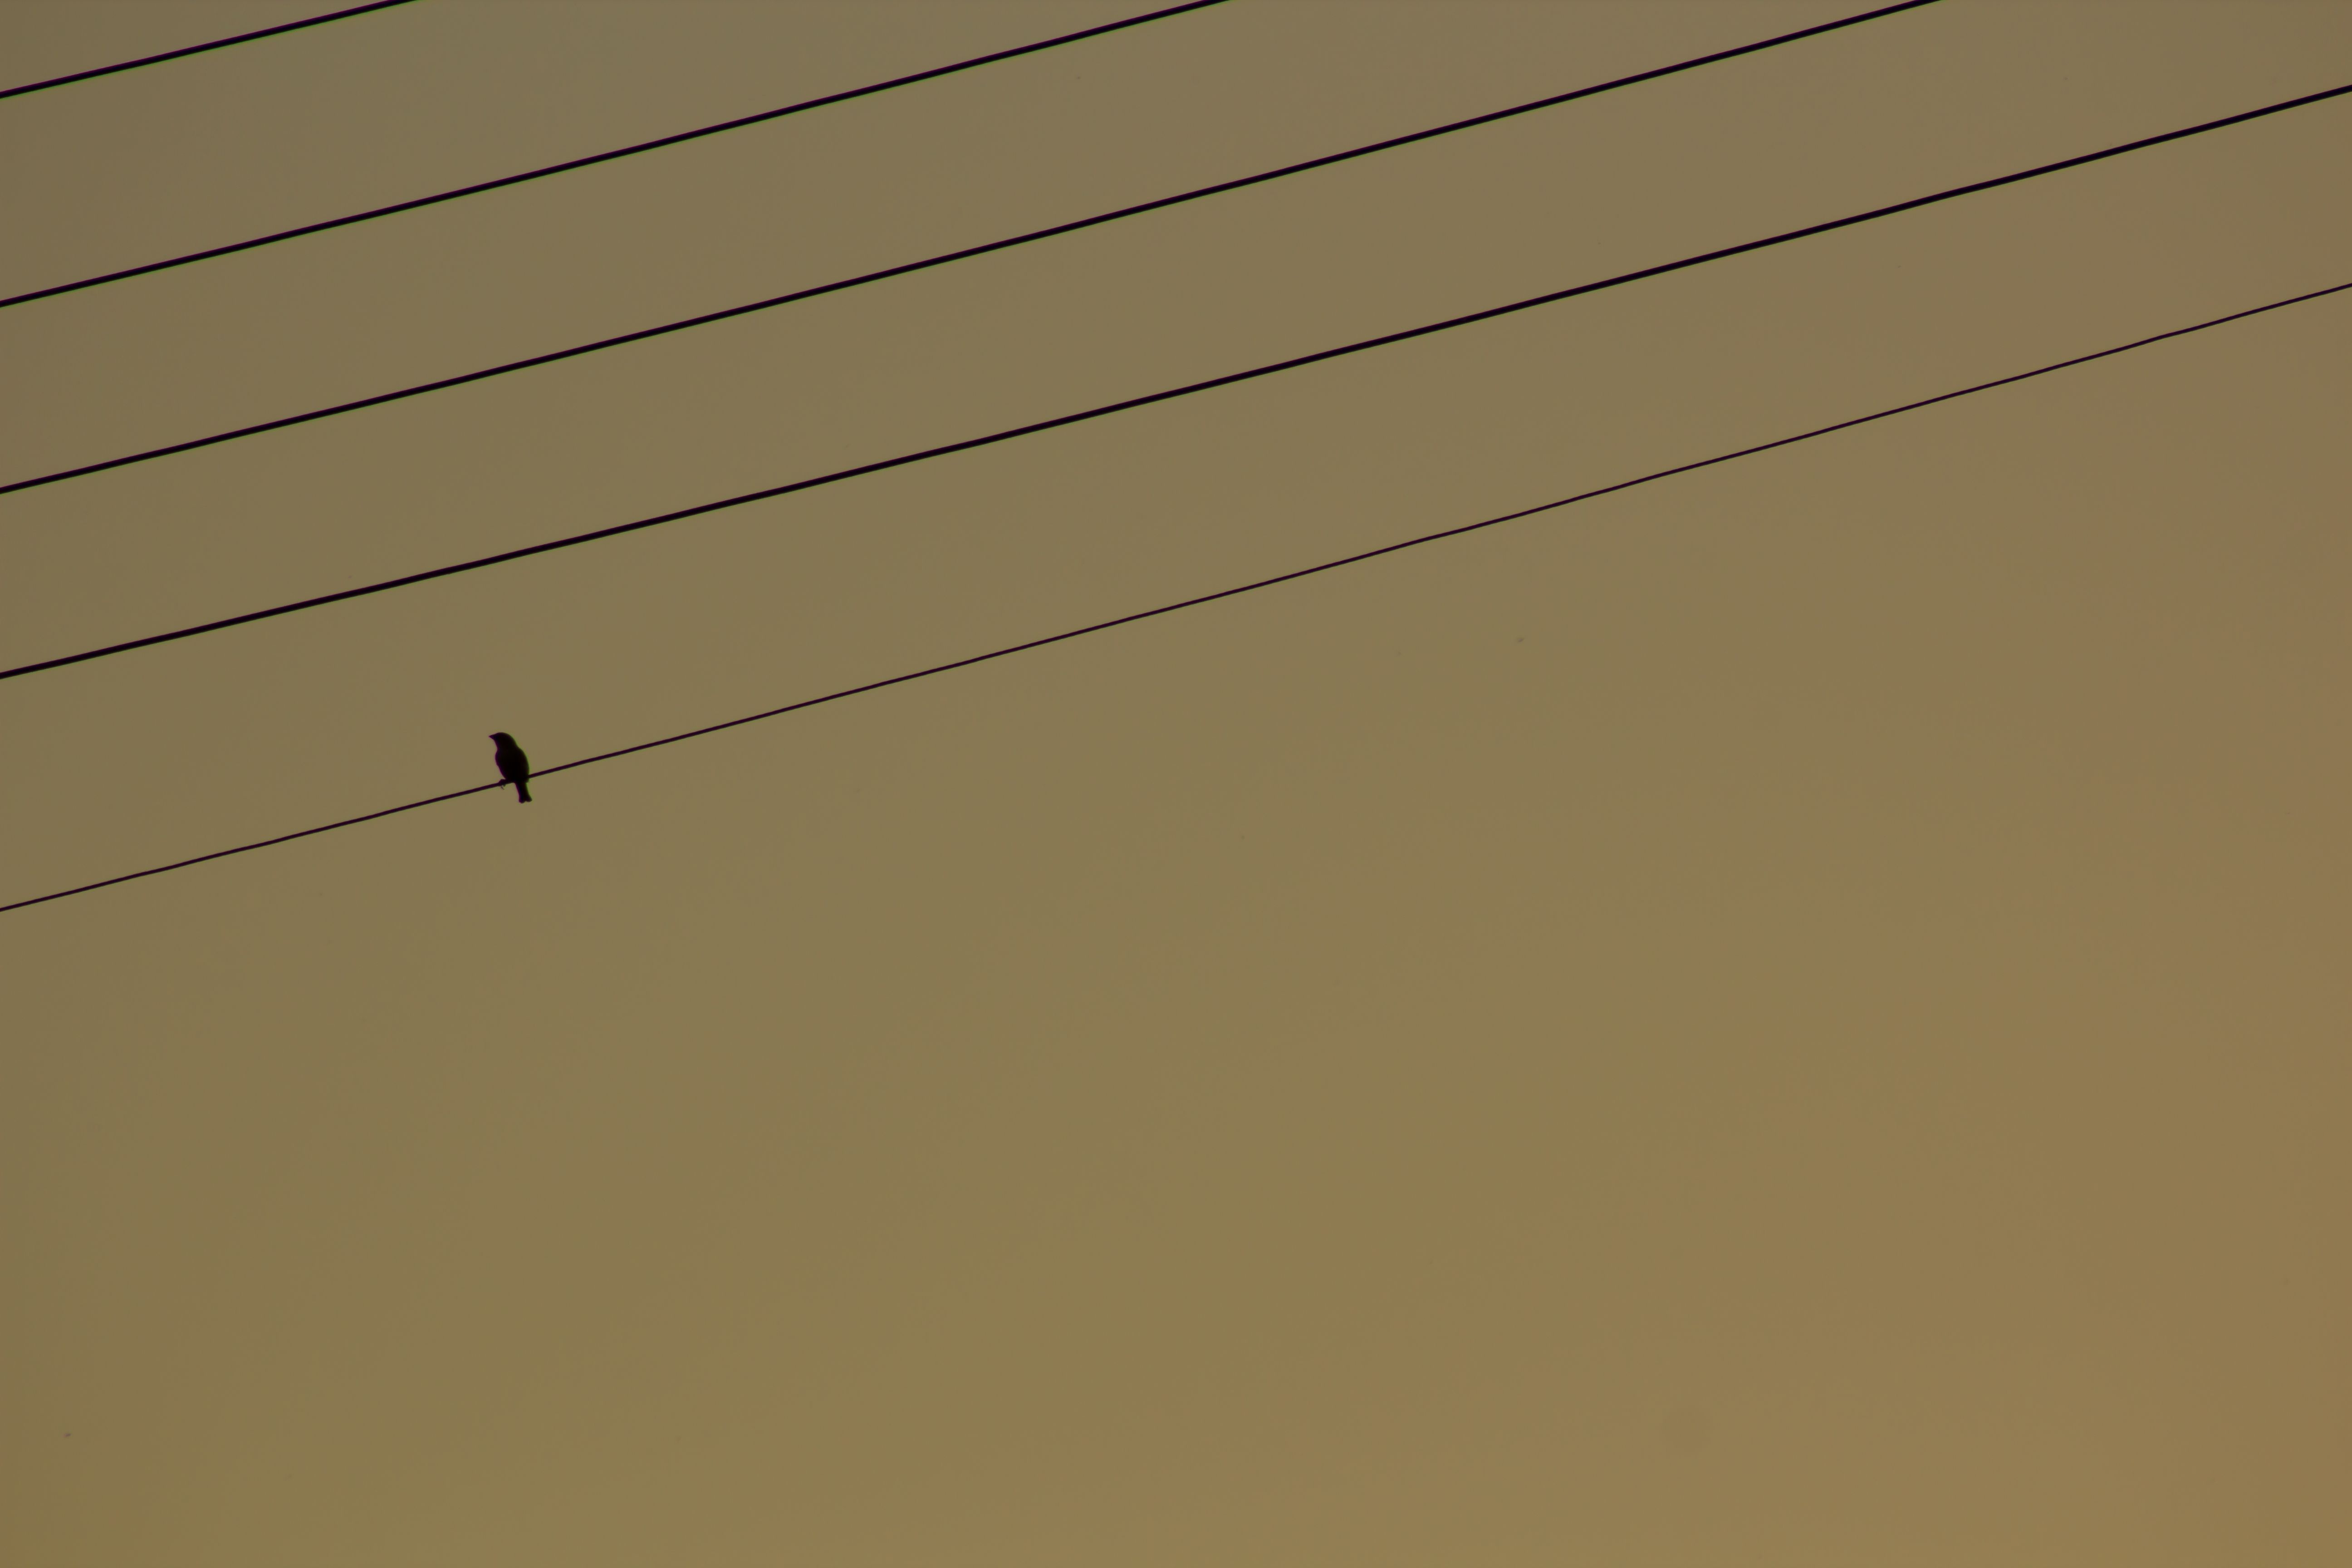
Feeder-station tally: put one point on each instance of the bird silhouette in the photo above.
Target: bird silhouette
(513, 766)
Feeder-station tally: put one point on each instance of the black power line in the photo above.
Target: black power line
(1200, 599)
(1100, 411)
(198, 50)
(593, 158)
(941, 260)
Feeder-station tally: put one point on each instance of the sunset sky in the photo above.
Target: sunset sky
(1792, 1017)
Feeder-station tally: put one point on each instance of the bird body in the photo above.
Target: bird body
(513, 766)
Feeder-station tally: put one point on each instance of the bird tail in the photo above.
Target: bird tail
(522, 793)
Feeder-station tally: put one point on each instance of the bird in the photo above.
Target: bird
(513, 766)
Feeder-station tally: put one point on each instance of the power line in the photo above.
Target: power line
(941, 260)
(198, 50)
(1108, 408)
(593, 158)
(1203, 599)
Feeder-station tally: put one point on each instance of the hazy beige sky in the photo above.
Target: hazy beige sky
(1795, 1016)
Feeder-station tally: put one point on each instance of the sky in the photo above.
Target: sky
(1793, 1016)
